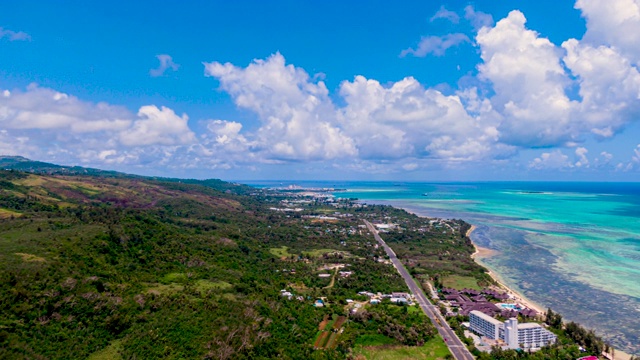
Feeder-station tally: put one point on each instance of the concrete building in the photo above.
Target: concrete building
(527, 335)
(533, 335)
(484, 325)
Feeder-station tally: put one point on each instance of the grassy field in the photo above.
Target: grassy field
(461, 282)
(165, 289)
(111, 352)
(433, 349)
(374, 340)
(203, 286)
(280, 252)
(6, 214)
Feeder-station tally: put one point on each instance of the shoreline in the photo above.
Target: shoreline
(480, 253)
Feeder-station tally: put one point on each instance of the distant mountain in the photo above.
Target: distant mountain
(38, 167)
(23, 164)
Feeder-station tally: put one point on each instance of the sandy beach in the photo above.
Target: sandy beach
(481, 253)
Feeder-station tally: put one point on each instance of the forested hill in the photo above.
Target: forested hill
(130, 267)
(20, 163)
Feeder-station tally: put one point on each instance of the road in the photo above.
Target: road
(457, 347)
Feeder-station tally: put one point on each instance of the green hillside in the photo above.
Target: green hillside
(131, 267)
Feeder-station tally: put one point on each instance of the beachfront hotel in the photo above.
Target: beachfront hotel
(527, 335)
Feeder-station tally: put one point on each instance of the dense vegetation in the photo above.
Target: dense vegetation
(159, 268)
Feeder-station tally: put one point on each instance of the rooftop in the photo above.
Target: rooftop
(528, 325)
(485, 317)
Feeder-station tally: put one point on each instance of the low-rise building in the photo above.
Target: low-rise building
(398, 300)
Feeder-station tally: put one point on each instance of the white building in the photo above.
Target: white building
(527, 335)
(485, 325)
(532, 335)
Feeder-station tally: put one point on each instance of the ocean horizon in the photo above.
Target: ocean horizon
(570, 246)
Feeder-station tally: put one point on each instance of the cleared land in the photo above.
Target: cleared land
(461, 282)
(111, 352)
(433, 349)
(281, 252)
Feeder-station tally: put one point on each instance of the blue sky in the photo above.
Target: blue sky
(414, 90)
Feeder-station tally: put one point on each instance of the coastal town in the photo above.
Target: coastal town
(494, 316)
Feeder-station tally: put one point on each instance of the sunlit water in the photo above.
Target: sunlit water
(574, 247)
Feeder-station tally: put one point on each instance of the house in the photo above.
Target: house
(400, 295)
(398, 300)
(318, 303)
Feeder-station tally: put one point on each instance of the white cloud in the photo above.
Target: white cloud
(14, 35)
(166, 62)
(550, 161)
(529, 80)
(410, 166)
(49, 125)
(298, 117)
(478, 19)
(443, 13)
(603, 160)
(412, 121)
(158, 126)
(436, 45)
(609, 86)
(615, 23)
(42, 108)
(581, 154)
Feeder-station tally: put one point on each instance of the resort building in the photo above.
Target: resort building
(527, 335)
(484, 325)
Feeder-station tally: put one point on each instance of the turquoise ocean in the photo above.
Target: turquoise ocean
(574, 247)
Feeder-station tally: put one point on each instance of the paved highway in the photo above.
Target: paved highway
(457, 347)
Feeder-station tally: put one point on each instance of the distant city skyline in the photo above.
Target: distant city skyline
(414, 90)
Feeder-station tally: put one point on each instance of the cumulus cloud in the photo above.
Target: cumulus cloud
(47, 124)
(530, 76)
(14, 35)
(436, 45)
(609, 86)
(166, 63)
(158, 126)
(43, 108)
(613, 22)
(529, 83)
(298, 117)
(445, 14)
(299, 121)
(581, 154)
(551, 160)
(411, 121)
